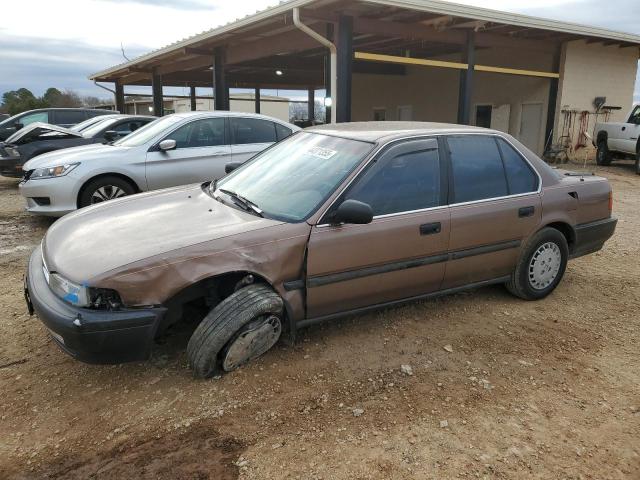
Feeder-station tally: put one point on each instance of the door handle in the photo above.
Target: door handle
(430, 228)
(526, 212)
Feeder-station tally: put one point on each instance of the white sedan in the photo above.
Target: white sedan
(174, 150)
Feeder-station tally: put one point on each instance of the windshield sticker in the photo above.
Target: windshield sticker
(323, 153)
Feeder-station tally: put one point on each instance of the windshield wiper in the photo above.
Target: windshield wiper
(242, 202)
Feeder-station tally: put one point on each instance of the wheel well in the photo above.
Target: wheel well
(602, 137)
(207, 293)
(566, 230)
(102, 175)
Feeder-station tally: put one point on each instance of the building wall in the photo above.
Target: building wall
(433, 94)
(279, 110)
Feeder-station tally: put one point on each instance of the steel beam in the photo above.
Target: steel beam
(219, 80)
(257, 100)
(192, 98)
(311, 104)
(466, 80)
(120, 105)
(158, 100)
(553, 101)
(345, 68)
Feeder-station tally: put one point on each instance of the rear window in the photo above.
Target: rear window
(477, 167)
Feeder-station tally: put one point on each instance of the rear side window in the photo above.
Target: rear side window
(477, 168)
(69, 117)
(520, 176)
(252, 130)
(404, 178)
(282, 132)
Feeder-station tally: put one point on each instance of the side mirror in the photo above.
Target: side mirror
(353, 211)
(18, 126)
(231, 166)
(166, 145)
(111, 135)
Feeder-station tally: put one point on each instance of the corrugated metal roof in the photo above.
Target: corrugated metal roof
(431, 6)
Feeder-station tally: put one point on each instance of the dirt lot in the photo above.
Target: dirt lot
(549, 389)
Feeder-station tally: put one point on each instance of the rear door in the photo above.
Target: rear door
(201, 153)
(250, 136)
(495, 205)
(402, 252)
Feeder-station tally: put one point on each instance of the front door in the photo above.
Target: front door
(201, 154)
(401, 253)
(495, 206)
(531, 126)
(630, 132)
(250, 136)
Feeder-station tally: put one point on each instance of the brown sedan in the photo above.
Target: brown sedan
(333, 221)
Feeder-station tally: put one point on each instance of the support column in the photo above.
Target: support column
(345, 68)
(553, 103)
(257, 99)
(311, 105)
(192, 98)
(158, 100)
(466, 80)
(327, 75)
(221, 90)
(120, 105)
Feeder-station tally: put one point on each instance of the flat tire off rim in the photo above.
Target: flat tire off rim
(544, 265)
(251, 341)
(107, 192)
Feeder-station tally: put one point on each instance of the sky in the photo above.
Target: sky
(61, 43)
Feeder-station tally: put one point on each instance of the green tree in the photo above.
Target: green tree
(17, 101)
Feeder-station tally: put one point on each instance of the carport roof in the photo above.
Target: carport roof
(498, 21)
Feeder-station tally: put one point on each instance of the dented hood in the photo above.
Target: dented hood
(34, 130)
(95, 240)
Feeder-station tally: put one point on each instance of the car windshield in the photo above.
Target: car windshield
(293, 178)
(148, 132)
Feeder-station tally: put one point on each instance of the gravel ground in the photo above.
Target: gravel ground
(492, 386)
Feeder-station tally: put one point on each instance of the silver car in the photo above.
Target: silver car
(174, 150)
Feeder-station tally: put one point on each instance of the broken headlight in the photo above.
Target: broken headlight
(82, 295)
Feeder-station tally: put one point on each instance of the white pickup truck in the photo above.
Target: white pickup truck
(619, 140)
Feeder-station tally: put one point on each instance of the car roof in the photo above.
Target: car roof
(375, 132)
(225, 113)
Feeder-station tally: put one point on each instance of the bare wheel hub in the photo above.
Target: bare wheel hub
(251, 341)
(107, 192)
(544, 265)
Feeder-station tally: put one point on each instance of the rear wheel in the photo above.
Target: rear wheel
(638, 163)
(603, 155)
(239, 329)
(541, 266)
(104, 189)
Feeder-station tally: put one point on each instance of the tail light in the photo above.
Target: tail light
(610, 202)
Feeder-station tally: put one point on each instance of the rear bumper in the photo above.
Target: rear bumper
(590, 237)
(102, 336)
(11, 167)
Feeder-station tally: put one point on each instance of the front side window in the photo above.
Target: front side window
(635, 116)
(520, 176)
(404, 178)
(292, 179)
(477, 168)
(208, 132)
(34, 117)
(252, 130)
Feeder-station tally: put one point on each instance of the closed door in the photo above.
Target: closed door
(495, 205)
(201, 154)
(531, 126)
(500, 117)
(401, 253)
(250, 136)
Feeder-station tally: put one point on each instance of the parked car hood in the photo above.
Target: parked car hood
(84, 153)
(34, 130)
(97, 239)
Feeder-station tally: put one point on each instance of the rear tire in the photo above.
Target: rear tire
(638, 163)
(253, 310)
(541, 265)
(603, 155)
(103, 189)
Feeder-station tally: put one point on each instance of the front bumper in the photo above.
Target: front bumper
(92, 336)
(62, 193)
(11, 167)
(590, 237)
